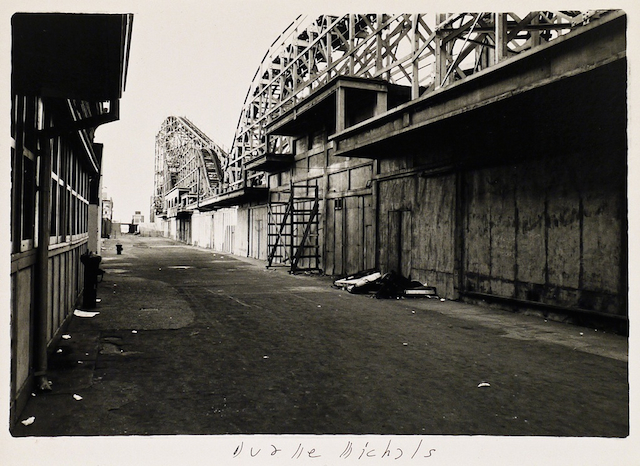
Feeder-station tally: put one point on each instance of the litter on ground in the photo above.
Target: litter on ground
(29, 421)
(484, 384)
(66, 337)
(80, 313)
(389, 285)
(77, 397)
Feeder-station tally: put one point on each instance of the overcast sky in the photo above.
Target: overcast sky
(192, 60)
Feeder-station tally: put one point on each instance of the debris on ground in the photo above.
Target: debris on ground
(358, 281)
(80, 313)
(66, 337)
(387, 286)
(77, 397)
(29, 421)
(422, 290)
(484, 384)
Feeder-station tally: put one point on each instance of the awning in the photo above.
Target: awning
(270, 163)
(236, 197)
(72, 56)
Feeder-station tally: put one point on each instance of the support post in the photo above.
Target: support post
(42, 267)
(341, 108)
(501, 37)
(440, 53)
(415, 69)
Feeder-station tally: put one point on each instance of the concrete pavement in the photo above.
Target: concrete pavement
(191, 341)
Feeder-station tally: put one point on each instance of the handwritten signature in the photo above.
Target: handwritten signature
(367, 451)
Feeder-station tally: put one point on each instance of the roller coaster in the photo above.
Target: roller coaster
(420, 52)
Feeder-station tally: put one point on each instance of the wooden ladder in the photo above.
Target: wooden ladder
(292, 233)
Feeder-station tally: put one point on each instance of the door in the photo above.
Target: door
(399, 243)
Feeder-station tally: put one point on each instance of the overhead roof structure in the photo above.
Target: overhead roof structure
(407, 57)
(421, 52)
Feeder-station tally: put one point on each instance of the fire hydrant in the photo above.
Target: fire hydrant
(119, 248)
(92, 271)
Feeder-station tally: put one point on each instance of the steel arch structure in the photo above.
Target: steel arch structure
(423, 52)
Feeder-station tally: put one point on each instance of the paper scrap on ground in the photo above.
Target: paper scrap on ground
(80, 313)
(66, 337)
(483, 384)
(29, 421)
(77, 397)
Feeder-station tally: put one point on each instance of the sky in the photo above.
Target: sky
(195, 61)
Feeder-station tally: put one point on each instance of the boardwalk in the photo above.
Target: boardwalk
(189, 341)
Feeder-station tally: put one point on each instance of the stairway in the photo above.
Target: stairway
(292, 233)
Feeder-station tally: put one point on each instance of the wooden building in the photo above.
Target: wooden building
(68, 74)
(484, 154)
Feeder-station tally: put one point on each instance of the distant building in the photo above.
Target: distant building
(107, 216)
(137, 218)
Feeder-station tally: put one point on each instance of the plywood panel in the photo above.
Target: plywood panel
(406, 243)
(353, 246)
(339, 182)
(54, 290)
(23, 306)
(241, 246)
(329, 238)
(476, 232)
(258, 231)
(369, 233)
(602, 232)
(531, 246)
(394, 225)
(502, 223)
(563, 250)
(359, 177)
(433, 233)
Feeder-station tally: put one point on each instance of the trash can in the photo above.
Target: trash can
(91, 272)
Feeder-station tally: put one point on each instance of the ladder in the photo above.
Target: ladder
(292, 233)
